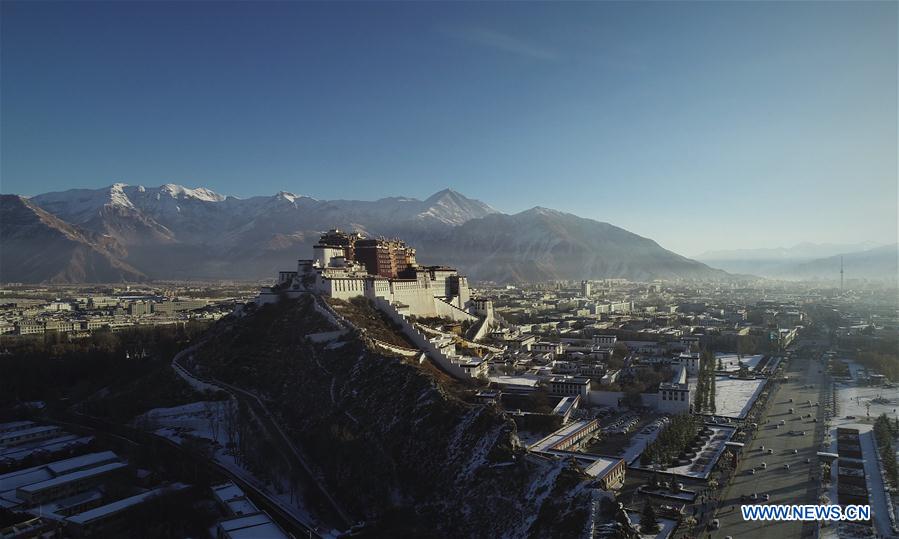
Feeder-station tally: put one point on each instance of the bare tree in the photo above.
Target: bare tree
(231, 424)
(211, 409)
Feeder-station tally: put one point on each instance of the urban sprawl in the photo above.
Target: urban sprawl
(680, 400)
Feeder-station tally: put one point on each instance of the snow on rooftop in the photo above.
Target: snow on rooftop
(57, 508)
(117, 506)
(9, 436)
(64, 466)
(257, 526)
(548, 442)
(734, 397)
(13, 480)
(601, 466)
(228, 491)
(21, 451)
(521, 380)
(15, 425)
(74, 476)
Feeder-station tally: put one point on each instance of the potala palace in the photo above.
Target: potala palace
(348, 265)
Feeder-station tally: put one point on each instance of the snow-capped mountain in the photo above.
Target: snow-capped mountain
(172, 231)
(175, 231)
(542, 244)
(203, 215)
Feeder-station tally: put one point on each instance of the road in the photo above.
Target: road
(328, 504)
(799, 484)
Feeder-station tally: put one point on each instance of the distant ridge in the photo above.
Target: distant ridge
(176, 232)
(809, 261)
(39, 247)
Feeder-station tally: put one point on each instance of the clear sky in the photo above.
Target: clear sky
(701, 125)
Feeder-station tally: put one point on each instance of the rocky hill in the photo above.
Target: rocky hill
(399, 444)
(39, 247)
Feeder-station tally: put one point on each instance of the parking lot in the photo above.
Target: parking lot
(627, 435)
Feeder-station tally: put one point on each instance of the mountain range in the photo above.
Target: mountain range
(810, 261)
(124, 232)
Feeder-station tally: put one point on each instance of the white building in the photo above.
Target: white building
(689, 360)
(555, 349)
(422, 291)
(569, 386)
(605, 340)
(674, 396)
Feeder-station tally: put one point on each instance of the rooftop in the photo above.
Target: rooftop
(112, 508)
(75, 476)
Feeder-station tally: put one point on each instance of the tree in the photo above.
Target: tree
(232, 427)
(649, 522)
(632, 399)
(211, 411)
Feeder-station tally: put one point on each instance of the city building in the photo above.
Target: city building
(674, 396)
(690, 360)
(586, 289)
(569, 385)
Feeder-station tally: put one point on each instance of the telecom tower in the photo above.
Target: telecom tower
(841, 275)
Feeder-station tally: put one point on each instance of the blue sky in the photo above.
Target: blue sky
(701, 125)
